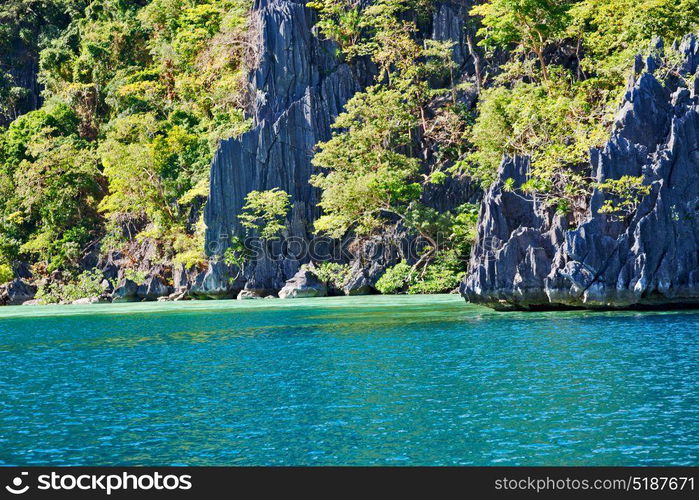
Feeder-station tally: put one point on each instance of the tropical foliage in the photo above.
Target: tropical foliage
(265, 212)
(555, 111)
(110, 146)
(137, 95)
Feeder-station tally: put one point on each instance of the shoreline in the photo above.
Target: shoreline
(271, 299)
(339, 303)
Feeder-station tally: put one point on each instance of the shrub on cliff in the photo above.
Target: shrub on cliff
(86, 285)
(395, 279)
(6, 273)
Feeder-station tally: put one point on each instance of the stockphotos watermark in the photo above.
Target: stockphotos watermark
(105, 483)
(325, 249)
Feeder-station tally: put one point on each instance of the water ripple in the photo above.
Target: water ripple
(355, 381)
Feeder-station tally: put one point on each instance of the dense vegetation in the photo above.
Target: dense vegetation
(555, 97)
(25, 25)
(395, 139)
(136, 95)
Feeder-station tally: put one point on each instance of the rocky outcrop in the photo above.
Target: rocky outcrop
(528, 257)
(304, 284)
(22, 270)
(19, 68)
(152, 289)
(373, 256)
(16, 292)
(449, 25)
(126, 291)
(216, 282)
(248, 295)
(299, 86)
(182, 278)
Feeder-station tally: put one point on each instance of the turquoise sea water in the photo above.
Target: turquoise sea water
(416, 380)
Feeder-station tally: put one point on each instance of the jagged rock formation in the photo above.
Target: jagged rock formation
(378, 253)
(248, 295)
(152, 289)
(299, 88)
(449, 24)
(528, 258)
(216, 283)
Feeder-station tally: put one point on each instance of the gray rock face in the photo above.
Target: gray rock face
(361, 281)
(375, 255)
(304, 284)
(182, 278)
(22, 270)
(152, 289)
(21, 64)
(528, 258)
(16, 292)
(449, 24)
(299, 88)
(126, 291)
(216, 283)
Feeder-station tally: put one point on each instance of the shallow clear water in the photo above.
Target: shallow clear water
(363, 380)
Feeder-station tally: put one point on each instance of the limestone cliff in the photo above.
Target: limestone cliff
(528, 257)
(299, 86)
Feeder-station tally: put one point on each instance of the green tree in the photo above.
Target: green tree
(6, 273)
(612, 32)
(49, 187)
(530, 25)
(626, 193)
(59, 191)
(366, 174)
(265, 212)
(396, 137)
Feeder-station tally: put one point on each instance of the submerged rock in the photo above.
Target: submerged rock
(529, 258)
(304, 284)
